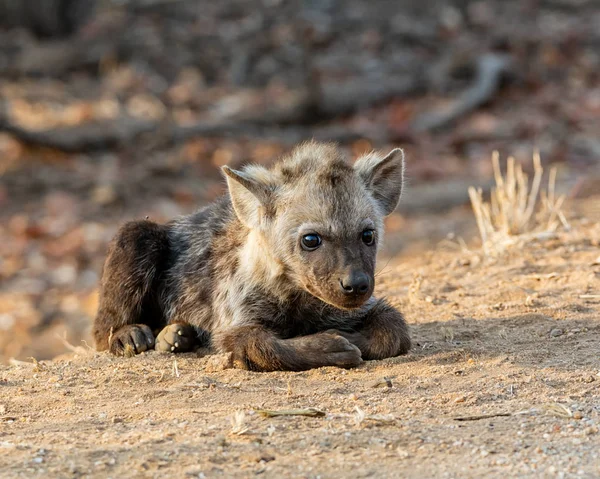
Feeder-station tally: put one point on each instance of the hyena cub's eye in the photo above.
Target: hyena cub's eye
(311, 242)
(368, 237)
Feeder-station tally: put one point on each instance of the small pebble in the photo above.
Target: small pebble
(556, 332)
(382, 382)
(219, 362)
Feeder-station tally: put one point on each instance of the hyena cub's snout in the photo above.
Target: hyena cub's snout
(354, 287)
(344, 289)
(356, 284)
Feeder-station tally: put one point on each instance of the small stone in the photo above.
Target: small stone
(577, 415)
(556, 332)
(116, 420)
(219, 362)
(382, 382)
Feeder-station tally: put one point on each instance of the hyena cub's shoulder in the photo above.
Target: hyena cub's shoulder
(281, 273)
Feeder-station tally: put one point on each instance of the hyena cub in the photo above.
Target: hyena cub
(279, 272)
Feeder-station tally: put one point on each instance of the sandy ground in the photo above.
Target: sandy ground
(516, 337)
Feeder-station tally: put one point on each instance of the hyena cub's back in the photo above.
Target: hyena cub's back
(280, 271)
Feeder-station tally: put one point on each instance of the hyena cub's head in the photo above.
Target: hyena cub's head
(317, 221)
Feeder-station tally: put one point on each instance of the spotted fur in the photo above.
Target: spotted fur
(237, 272)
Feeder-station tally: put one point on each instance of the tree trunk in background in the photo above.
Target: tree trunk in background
(46, 18)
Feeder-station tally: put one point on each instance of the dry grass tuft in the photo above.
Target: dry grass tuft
(414, 290)
(359, 416)
(78, 350)
(517, 210)
(238, 423)
(175, 369)
(558, 410)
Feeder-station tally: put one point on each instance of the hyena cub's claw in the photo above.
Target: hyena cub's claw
(176, 338)
(131, 340)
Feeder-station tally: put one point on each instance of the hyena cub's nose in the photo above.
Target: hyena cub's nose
(355, 283)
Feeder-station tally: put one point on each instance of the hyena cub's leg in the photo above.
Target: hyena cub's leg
(258, 349)
(128, 289)
(383, 333)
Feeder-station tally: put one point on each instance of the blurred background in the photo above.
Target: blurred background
(117, 110)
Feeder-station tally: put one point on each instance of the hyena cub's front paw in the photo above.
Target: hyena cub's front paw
(331, 349)
(131, 340)
(177, 338)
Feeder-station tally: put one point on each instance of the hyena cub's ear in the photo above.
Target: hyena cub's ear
(251, 194)
(383, 177)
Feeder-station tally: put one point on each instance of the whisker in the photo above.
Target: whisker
(382, 270)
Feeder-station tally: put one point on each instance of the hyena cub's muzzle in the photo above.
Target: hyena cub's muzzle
(356, 285)
(348, 289)
(345, 290)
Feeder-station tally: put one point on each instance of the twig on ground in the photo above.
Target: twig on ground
(360, 417)
(310, 412)
(482, 416)
(17, 362)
